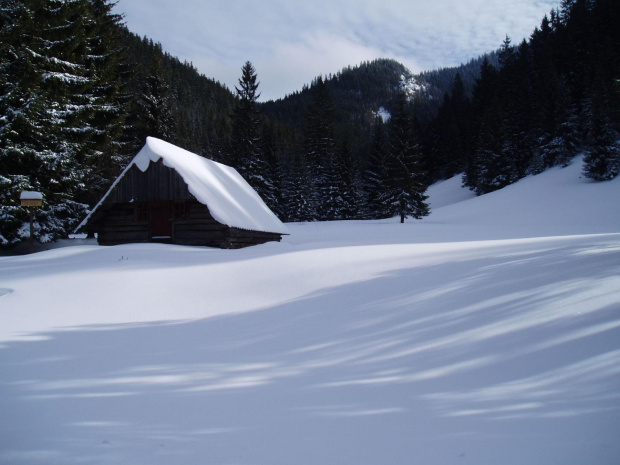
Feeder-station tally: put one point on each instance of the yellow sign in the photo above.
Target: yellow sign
(32, 202)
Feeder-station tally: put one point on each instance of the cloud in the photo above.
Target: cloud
(290, 65)
(290, 43)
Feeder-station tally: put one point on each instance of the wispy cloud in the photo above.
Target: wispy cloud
(291, 43)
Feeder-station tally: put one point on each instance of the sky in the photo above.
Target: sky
(290, 42)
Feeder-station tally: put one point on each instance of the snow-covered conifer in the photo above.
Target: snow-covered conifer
(405, 191)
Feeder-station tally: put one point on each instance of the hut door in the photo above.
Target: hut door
(161, 226)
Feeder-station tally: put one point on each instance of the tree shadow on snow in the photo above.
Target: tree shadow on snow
(478, 355)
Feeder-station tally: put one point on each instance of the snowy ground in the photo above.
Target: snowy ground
(487, 333)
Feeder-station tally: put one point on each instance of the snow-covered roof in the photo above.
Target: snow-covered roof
(230, 199)
(31, 195)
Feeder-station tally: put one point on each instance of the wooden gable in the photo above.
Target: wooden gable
(157, 184)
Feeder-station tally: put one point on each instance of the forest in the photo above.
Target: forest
(79, 94)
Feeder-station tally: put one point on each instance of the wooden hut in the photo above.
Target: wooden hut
(167, 194)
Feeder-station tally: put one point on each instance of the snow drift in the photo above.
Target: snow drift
(487, 333)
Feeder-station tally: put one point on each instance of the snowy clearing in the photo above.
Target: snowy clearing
(487, 333)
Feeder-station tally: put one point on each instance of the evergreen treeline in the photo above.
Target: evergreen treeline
(79, 94)
(546, 100)
(60, 108)
(329, 134)
(357, 93)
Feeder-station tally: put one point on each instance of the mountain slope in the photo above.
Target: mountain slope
(358, 93)
(487, 332)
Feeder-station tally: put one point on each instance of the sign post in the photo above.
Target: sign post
(32, 200)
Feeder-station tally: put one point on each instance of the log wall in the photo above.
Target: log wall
(199, 229)
(118, 225)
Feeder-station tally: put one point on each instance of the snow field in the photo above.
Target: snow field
(487, 333)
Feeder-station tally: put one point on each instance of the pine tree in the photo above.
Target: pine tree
(153, 112)
(556, 123)
(486, 139)
(602, 103)
(347, 185)
(518, 120)
(320, 149)
(59, 108)
(406, 186)
(18, 131)
(490, 170)
(297, 191)
(375, 175)
(247, 147)
(246, 122)
(106, 152)
(47, 112)
(602, 160)
(273, 196)
(452, 132)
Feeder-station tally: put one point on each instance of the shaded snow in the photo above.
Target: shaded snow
(560, 201)
(448, 192)
(487, 333)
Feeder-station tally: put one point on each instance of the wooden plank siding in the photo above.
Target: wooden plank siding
(200, 228)
(158, 183)
(118, 225)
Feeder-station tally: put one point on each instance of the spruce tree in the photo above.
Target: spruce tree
(273, 196)
(153, 111)
(320, 149)
(376, 177)
(406, 186)
(246, 121)
(518, 127)
(247, 147)
(47, 112)
(452, 132)
(59, 108)
(490, 170)
(602, 160)
(19, 103)
(297, 191)
(485, 140)
(556, 124)
(106, 151)
(348, 185)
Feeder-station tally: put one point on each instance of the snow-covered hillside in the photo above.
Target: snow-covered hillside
(487, 333)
